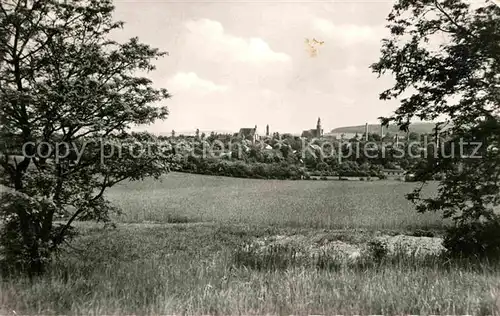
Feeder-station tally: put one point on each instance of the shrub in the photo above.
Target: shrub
(322, 166)
(260, 170)
(22, 249)
(474, 239)
(378, 250)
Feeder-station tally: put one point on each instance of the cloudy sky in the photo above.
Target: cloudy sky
(235, 64)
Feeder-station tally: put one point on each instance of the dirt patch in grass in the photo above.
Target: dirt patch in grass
(411, 245)
(327, 250)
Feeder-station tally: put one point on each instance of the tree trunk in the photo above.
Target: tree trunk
(30, 229)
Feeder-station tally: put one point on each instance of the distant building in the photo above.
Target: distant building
(394, 172)
(314, 133)
(249, 134)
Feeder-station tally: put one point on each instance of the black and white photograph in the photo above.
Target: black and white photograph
(250, 157)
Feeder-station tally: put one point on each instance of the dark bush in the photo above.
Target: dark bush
(378, 250)
(272, 169)
(475, 239)
(322, 166)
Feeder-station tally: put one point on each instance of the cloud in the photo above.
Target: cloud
(347, 34)
(215, 44)
(183, 81)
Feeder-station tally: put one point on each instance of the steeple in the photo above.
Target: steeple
(267, 130)
(318, 128)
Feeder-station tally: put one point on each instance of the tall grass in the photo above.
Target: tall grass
(182, 251)
(316, 204)
(194, 269)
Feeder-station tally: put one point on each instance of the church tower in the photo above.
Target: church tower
(319, 131)
(267, 130)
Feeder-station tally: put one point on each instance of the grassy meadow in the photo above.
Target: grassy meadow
(177, 250)
(183, 197)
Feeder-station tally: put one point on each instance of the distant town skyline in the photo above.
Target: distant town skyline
(235, 64)
(328, 130)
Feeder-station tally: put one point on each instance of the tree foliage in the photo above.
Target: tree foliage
(445, 59)
(64, 82)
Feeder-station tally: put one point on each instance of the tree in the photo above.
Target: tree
(63, 82)
(412, 136)
(212, 137)
(388, 137)
(373, 137)
(455, 79)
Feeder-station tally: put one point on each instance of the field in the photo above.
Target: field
(177, 249)
(319, 204)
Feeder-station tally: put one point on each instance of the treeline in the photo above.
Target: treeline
(274, 170)
(242, 169)
(272, 158)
